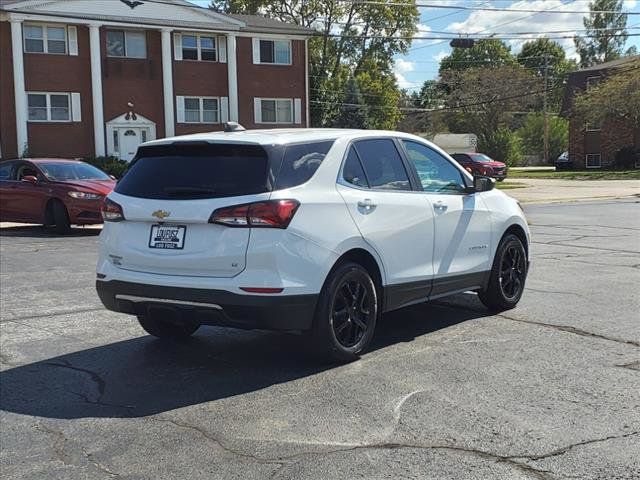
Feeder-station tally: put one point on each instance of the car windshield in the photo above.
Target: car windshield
(72, 171)
(481, 157)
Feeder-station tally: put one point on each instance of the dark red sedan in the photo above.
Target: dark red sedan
(53, 192)
(481, 164)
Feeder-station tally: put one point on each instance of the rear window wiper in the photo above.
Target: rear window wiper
(177, 191)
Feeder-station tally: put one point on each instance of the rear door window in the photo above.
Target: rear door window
(300, 162)
(352, 172)
(196, 171)
(383, 164)
(6, 169)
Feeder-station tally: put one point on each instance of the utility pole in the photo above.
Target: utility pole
(544, 109)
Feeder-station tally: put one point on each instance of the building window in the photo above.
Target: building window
(199, 47)
(45, 39)
(49, 107)
(593, 160)
(275, 51)
(201, 110)
(126, 43)
(276, 110)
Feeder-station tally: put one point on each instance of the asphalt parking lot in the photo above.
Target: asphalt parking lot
(549, 390)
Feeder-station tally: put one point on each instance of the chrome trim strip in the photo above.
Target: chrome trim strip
(135, 299)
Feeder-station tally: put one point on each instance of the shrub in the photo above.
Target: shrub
(626, 157)
(502, 145)
(111, 165)
(532, 135)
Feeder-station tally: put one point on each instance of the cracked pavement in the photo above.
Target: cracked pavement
(549, 390)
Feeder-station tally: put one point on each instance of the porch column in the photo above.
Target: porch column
(167, 84)
(96, 89)
(18, 86)
(232, 72)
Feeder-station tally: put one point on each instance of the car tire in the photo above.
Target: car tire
(60, 218)
(346, 313)
(508, 275)
(500, 179)
(154, 324)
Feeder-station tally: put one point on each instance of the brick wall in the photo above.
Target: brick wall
(613, 135)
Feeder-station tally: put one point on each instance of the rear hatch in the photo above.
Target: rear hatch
(168, 196)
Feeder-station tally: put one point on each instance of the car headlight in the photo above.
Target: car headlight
(85, 195)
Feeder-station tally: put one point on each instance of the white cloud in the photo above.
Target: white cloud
(629, 4)
(402, 81)
(404, 66)
(440, 55)
(505, 22)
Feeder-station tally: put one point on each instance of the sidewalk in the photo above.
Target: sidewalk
(542, 190)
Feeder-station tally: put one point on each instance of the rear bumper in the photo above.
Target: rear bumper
(212, 307)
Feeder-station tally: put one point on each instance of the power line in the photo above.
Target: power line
(484, 9)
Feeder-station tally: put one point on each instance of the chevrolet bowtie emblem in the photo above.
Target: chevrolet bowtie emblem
(161, 214)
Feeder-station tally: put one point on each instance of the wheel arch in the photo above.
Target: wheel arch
(518, 231)
(368, 260)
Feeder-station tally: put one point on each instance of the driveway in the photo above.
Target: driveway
(542, 190)
(549, 390)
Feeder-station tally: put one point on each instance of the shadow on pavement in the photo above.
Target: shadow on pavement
(38, 231)
(144, 376)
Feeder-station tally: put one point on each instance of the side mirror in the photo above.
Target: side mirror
(30, 179)
(481, 184)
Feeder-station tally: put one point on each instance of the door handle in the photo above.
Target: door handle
(367, 204)
(440, 206)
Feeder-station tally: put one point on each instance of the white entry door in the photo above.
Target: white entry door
(130, 139)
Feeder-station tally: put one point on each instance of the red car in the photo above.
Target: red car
(53, 192)
(480, 164)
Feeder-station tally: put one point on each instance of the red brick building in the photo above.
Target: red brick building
(595, 146)
(98, 77)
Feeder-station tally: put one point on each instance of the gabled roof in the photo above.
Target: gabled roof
(172, 13)
(611, 64)
(258, 23)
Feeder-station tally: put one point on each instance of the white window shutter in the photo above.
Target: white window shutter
(72, 34)
(76, 107)
(224, 109)
(180, 109)
(297, 110)
(257, 110)
(256, 50)
(177, 46)
(222, 49)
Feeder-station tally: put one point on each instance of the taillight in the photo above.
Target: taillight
(111, 211)
(268, 214)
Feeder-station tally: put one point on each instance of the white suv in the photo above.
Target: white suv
(318, 230)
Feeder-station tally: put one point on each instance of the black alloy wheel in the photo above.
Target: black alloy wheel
(351, 312)
(346, 313)
(508, 275)
(512, 272)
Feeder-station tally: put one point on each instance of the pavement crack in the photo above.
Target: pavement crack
(99, 382)
(216, 441)
(631, 366)
(570, 329)
(59, 443)
(563, 450)
(103, 468)
(558, 292)
(54, 314)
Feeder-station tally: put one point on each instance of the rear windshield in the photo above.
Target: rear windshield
(197, 171)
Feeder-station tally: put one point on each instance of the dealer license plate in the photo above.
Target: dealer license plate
(167, 236)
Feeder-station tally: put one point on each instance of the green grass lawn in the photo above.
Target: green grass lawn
(510, 185)
(578, 175)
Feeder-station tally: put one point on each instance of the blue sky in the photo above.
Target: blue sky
(421, 62)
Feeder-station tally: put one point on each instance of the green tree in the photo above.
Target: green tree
(532, 135)
(605, 35)
(502, 145)
(546, 57)
(354, 113)
(430, 96)
(489, 53)
(482, 99)
(356, 39)
(616, 97)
